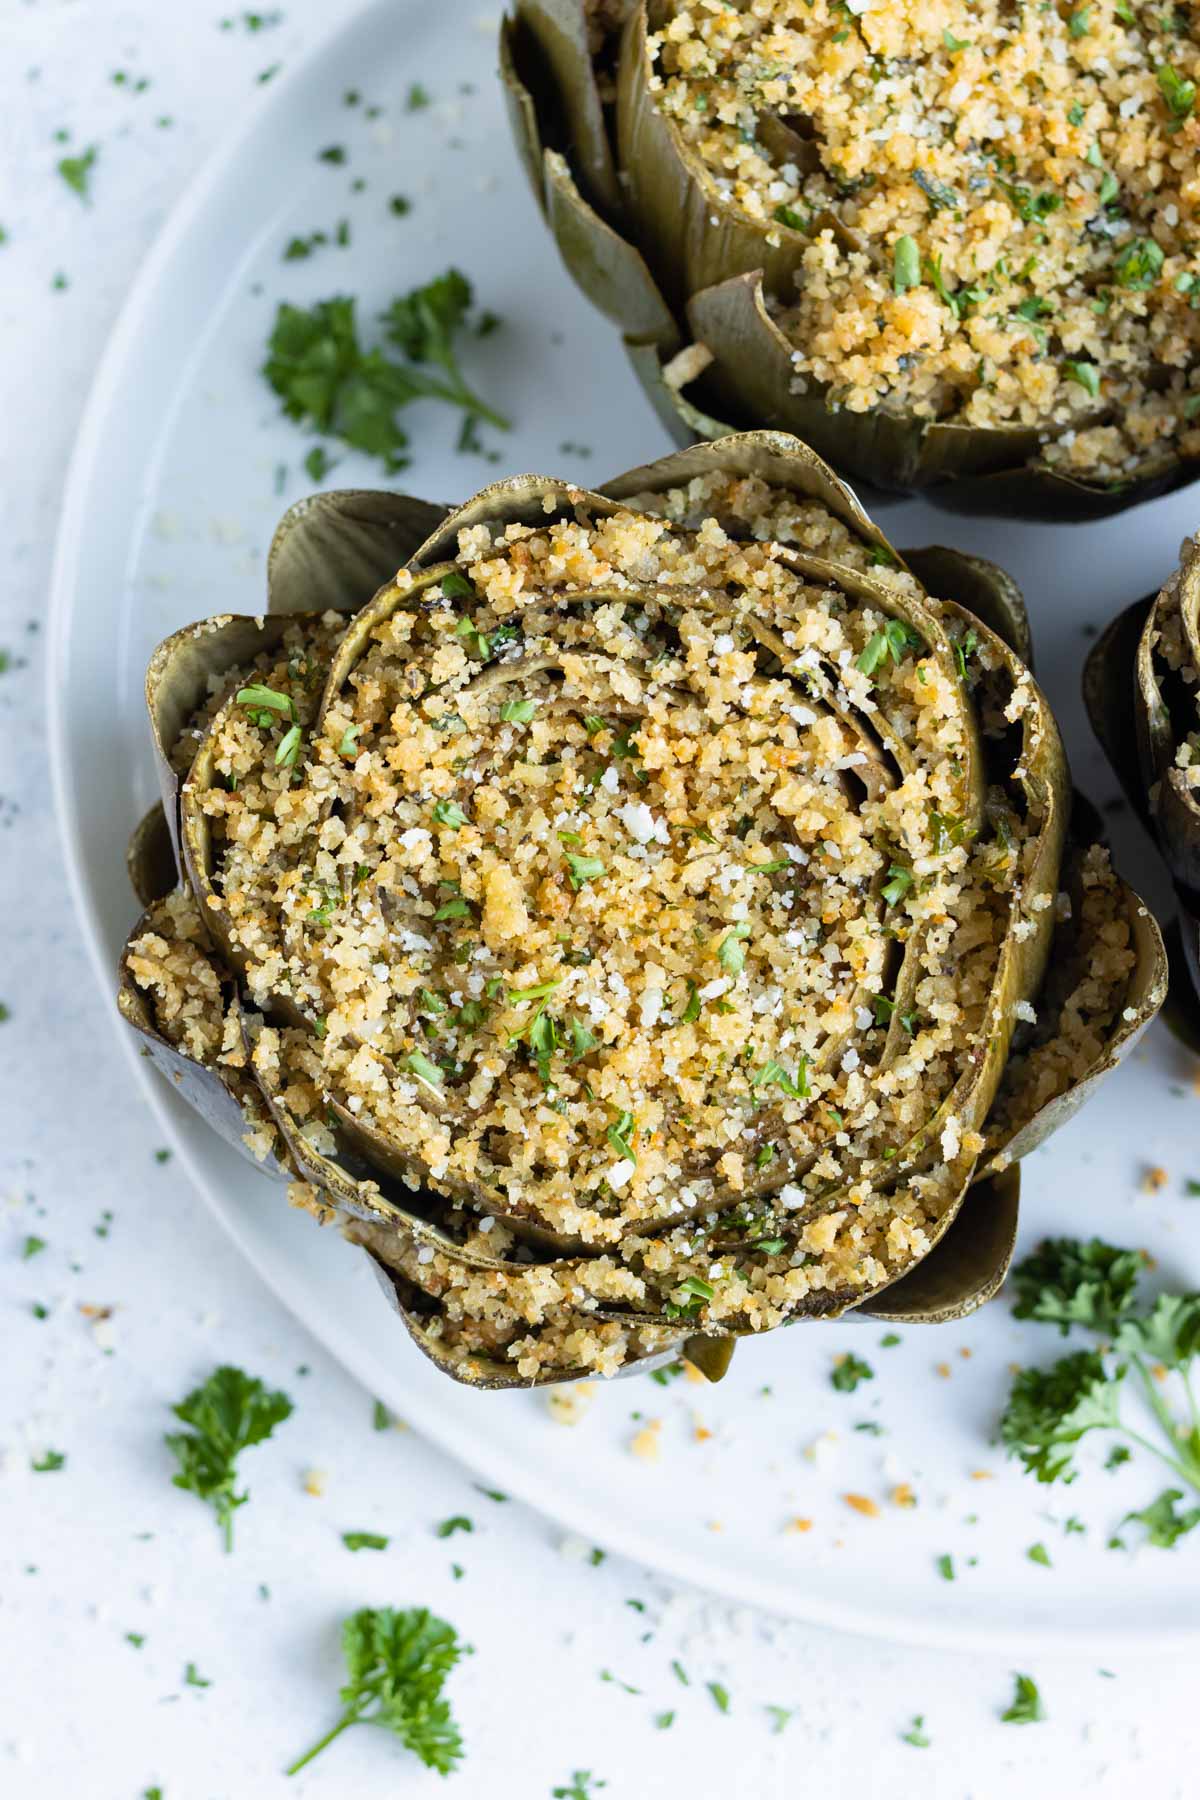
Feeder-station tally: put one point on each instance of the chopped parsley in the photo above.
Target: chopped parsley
(730, 951)
(1179, 95)
(364, 1540)
(915, 1735)
(459, 1522)
(849, 1372)
(1026, 1706)
(49, 1463)
(76, 171)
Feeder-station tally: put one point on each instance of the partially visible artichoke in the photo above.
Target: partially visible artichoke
(702, 285)
(652, 918)
(1141, 690)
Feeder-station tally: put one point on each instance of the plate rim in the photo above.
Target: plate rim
(449, 1434)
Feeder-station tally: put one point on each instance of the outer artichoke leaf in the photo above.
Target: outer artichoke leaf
(692, 234)
(775, 457)
(178, 683)
(150, 858)
(979, 586)
(1177, 815)
(522, 113)
(610, 271)
(421, 1320)
(1156, 734)
(967, 1267)
(223, 1097)
(1182, 1008)
(680, 418)
(1109, 696)
(754, 374)
(420, 1323)
(1043, 491)
(559, 28)
(332, 551)
(1145, 993)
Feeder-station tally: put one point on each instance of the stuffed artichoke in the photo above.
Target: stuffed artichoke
(942, 243)
(651, 917)
(1140, 686)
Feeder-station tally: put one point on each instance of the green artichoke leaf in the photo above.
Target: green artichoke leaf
(967, 1267)
(754, 373)
(330, 549)
(421, 1319)
(973, 585)
(1072, 954)
(1113, 701)
(679, 416)
(223, 1097)
(178, 682)
(690, 233)
(775, 457)
(558, 31)
(522, 113)
(608, 269)
(150, 858)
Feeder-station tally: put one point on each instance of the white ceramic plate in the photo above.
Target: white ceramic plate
(172, 496)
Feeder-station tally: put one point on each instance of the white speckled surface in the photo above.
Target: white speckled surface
(82, 1711)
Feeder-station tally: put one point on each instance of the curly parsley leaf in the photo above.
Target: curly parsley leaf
(1065, 1282)
(1168, 1334)
(397, 1664)
(228, 1414)
(1049, 1410)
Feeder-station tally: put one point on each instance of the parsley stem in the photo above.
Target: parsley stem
(1164, 1416)
(350, 1718)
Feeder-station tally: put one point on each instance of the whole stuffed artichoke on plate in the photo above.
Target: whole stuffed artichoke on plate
(944, 244)
(651, 917)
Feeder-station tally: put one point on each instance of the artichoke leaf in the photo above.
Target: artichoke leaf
(967, 1267)
(972, 584)
(559, 30)
(774, 457)
(1144, 994)
(150, 857)
(420, 1317)
(754, 372)
(1112, 699)
(225, 1098)
(692, 234)
(608, 269)
(330, 549)
(181, 671)
(680, 418)
(522, 113)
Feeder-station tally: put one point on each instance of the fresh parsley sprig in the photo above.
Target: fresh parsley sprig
(1094, 1285)
(397, 1663)
(229, 1413)
(326, 378)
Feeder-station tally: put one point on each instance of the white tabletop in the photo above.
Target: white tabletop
(106, 1547)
